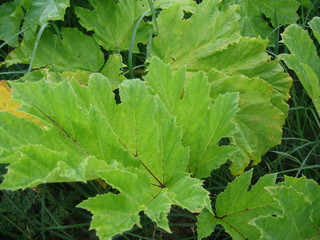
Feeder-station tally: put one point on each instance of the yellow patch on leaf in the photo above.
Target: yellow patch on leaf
(9, 105)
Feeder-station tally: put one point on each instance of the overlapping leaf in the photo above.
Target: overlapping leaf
(85, 135)
(237, 206)
(287, 210)
(299, 199)
(64, 53)
(202, 41)
(204, 124)
(229, 59)
(113, 22)
(304, 59)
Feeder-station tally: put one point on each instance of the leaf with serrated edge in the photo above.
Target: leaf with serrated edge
(84, 138)
(203, 123)
(113, 22)
(237, 206)
(304, 59)
(310, 189)
(233, 57)
(204, 40)
(297, 210)
(9, 105)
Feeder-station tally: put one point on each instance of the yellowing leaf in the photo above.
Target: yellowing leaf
(9, 105)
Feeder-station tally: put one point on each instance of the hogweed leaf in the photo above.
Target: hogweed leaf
(113, 22)
(297, 211)
(214, 36)
(217, 124)
(8, 104)
(86, 135)
(310, 189)
(237, 206)
(304, 59)
(190, 103)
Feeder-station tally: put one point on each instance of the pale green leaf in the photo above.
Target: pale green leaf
(295, 222)
(112, 214)
(310, 189)
(304, 59)
(237, 206)
(113, 22)
(202, 41)
(315, 26)
(158, 209)
(10, 17)
(258, 120)
(233, 57)
(113, 70)
(187, 192)
(205, 225)
(134, 146)
(204, 124)
(279, 11)
(166, 84)
(218, 123)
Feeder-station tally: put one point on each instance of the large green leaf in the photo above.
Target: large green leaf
(237, 206)
(204, 124)
(82, 134)
(304, 59)
(113, 22)
(256, 112)
(202, 41)
(228, 60)
(296, 221)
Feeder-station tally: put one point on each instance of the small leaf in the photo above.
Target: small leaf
(296, 217)
(237, 206)
(304, 59)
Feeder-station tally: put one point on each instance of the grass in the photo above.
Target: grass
(49, 211)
